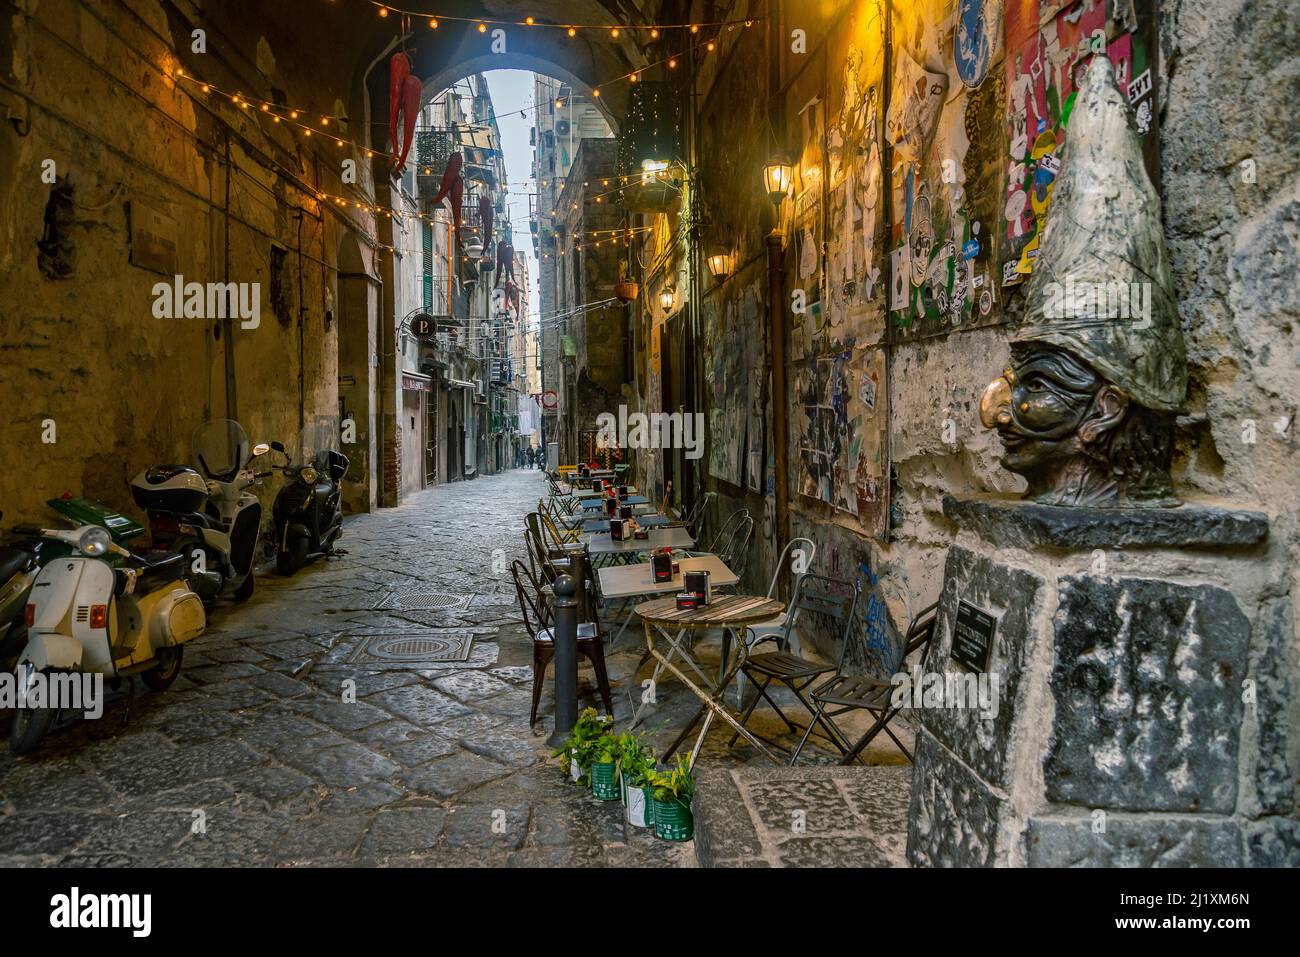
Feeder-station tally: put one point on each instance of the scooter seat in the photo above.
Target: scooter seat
(12, 561)
(160, 568)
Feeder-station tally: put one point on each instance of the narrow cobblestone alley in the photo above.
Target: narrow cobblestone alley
(433, 763)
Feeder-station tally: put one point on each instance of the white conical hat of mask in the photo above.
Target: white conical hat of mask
(1100, 288)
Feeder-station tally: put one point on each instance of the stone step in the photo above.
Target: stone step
(802, 816)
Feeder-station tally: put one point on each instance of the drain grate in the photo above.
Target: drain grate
(416, 647)
(420, 599)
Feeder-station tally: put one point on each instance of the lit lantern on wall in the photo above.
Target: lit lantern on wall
(667, 296)
(720, 262)
(777, 175)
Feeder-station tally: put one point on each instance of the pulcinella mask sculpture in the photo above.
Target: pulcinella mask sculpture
(1098, 368)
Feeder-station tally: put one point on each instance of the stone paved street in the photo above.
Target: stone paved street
(433, 763)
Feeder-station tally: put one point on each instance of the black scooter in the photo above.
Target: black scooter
(308, 510)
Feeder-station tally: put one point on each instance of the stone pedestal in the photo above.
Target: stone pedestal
(1141, 659)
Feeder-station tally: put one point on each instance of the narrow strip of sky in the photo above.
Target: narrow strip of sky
(511, 87)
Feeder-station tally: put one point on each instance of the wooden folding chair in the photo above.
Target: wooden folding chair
(870, 694)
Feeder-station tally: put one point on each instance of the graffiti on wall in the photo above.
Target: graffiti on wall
(1048, 45)
(734, 368)
(837, 368)
(946, 159)
(840, 435)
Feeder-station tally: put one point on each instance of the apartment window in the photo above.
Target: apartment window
(426, 241)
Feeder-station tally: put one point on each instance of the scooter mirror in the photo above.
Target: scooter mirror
(261, 448)
(278, 446)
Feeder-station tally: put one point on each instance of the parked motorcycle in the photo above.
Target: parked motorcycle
(22, 556)
(207, 513)
(102, 610)
(308, 511)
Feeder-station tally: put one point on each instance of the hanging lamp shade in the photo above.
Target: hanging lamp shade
(777, 175)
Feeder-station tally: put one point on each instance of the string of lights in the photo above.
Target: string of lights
(613, 31)
(620, 232)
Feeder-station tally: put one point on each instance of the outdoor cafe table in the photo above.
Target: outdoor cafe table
(655, 520)
(602, 543)
(638, 580)
(591, 493)
(597, 504)
(728, 613)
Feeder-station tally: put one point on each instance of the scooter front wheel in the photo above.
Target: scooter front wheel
(161, 676)
(289, 560)
(245, 589)
(29, 728)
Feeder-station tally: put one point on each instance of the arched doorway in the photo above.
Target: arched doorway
(358, 307)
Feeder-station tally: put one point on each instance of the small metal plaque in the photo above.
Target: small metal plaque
(972, 636)
(154, 239)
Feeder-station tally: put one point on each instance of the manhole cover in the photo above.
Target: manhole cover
(415, 647)
(419, 599)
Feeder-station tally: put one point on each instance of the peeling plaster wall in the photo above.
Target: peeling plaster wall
(125, 389)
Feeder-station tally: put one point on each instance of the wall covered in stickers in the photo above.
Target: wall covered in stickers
(930, 134)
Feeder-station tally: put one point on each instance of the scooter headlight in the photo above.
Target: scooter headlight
(94, 542)
(307, 474)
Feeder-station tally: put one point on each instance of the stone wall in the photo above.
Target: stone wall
(95, 387)
(1230, 190)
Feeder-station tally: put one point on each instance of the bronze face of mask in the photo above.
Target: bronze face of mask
(1037, 407)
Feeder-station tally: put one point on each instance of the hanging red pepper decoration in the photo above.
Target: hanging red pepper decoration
(399, 68)
(412, 90)
(457, 195)
(449, 176)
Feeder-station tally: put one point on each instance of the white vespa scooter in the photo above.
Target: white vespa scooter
(208, 513)
(102, 610)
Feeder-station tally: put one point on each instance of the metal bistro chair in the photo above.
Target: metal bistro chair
(774, 628)
(539, 622)
(559, 530)
(870, 694)
(695, 518)
(818, 595)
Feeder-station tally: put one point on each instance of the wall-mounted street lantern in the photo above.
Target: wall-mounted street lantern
(777, 175)
(667, 296)
(720, 262)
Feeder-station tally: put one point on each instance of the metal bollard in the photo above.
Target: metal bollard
(566, 659)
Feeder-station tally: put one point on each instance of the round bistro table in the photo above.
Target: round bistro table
(726, 612)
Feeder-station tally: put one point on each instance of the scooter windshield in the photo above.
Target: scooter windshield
(220, 449)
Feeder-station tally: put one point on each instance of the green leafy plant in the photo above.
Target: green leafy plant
(584, 741)
(676, 784)
(605, 750)
(635, 762)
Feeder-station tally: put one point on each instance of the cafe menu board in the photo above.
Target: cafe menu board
(972, 637)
